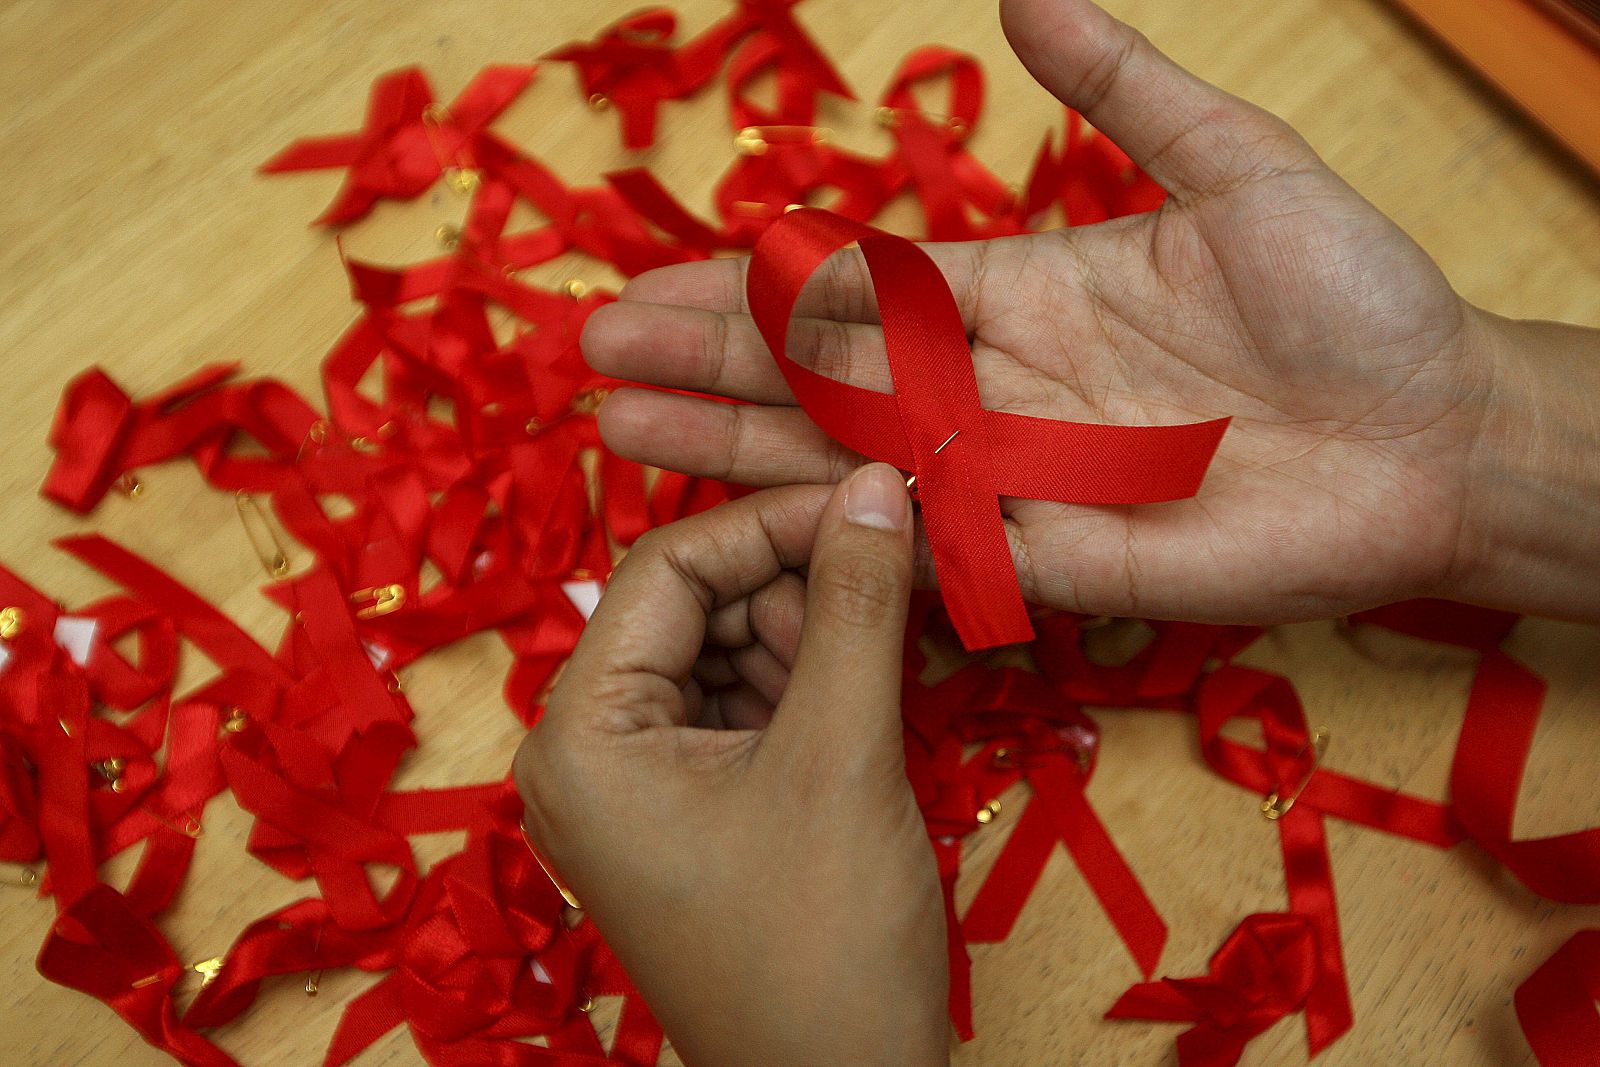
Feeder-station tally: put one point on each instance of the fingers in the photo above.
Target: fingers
(687, 326)
(840, 289)
(1191, 137)
(746, 444)
(844, 690)
(709, 352)
(640, 647)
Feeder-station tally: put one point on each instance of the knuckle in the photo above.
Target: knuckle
(1101, 77)
(536, 769)
(857, 589)
(651, 548)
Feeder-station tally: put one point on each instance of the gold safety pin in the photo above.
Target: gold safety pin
(887, 116)
(457, 175)
(12, 621)
(1277, 803)
(549, 872)
(753, 140)
(385, 600)
(27, 878)
(263, 539)
(208, 970)
(191, 827)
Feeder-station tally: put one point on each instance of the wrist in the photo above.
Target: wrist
(1530, 532)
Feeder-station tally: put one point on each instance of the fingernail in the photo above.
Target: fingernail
(876, 497)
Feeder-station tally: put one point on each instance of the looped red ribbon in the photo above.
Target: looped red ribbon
(1091, 178)
(407, 143)
(632, 66)
(934, 424)
(1556, 1005)
(1264, 970)
(102, 946)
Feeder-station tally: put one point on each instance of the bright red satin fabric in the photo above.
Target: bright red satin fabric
(934, 426)
(447, 461)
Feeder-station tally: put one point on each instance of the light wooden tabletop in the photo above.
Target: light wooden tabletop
(137, 236)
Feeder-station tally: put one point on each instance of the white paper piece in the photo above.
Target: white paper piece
(5, 657)
(76, 635)
(584, 596)
(379, 655)
(541, 974)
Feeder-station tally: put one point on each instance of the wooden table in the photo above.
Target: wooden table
(138, 237)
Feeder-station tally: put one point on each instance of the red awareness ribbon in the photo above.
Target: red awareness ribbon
(631, 65)
(407, 143)
(1556, 1005)
(931, 148)
(1091, 178)
(1266, 969)
(1491, 754)
(1030, 734)
(1308, 872)
(934, 425)
(103, 947)
(1492, 751)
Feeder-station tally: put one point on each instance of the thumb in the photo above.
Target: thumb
(1191, 137)
(844, 689)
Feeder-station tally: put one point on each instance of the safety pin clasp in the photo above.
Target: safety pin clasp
(382, 600)
(12, 621)
(190, 827)
(27, 878)
(1277, 803)
(588, 402)
(208, 970)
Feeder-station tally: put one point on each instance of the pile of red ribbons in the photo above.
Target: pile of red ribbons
(470, 502)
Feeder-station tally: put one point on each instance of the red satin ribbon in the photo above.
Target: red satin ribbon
(407, 143)
(449, 464)
(1556, 1005)
(633, 66)
(1266, 969)
(934, 425)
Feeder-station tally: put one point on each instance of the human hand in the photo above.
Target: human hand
(1265, 289)
(719, 776)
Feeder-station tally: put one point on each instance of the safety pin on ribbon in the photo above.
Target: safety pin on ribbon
(458, 176)
(263, 538)
(314, 979)
(190, 828)
(886, 116)
(27, 878)
(1277, 803)
(549, 871)
(911, 482)
(384, 600)
(755, 140)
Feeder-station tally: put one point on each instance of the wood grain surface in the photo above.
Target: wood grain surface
(137, 236)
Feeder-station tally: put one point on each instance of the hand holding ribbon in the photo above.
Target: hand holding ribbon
(709, 761)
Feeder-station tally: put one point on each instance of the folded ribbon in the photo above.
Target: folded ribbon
(934, 425)
(1263, 971)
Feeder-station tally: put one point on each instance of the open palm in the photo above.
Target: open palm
(1264, 289)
